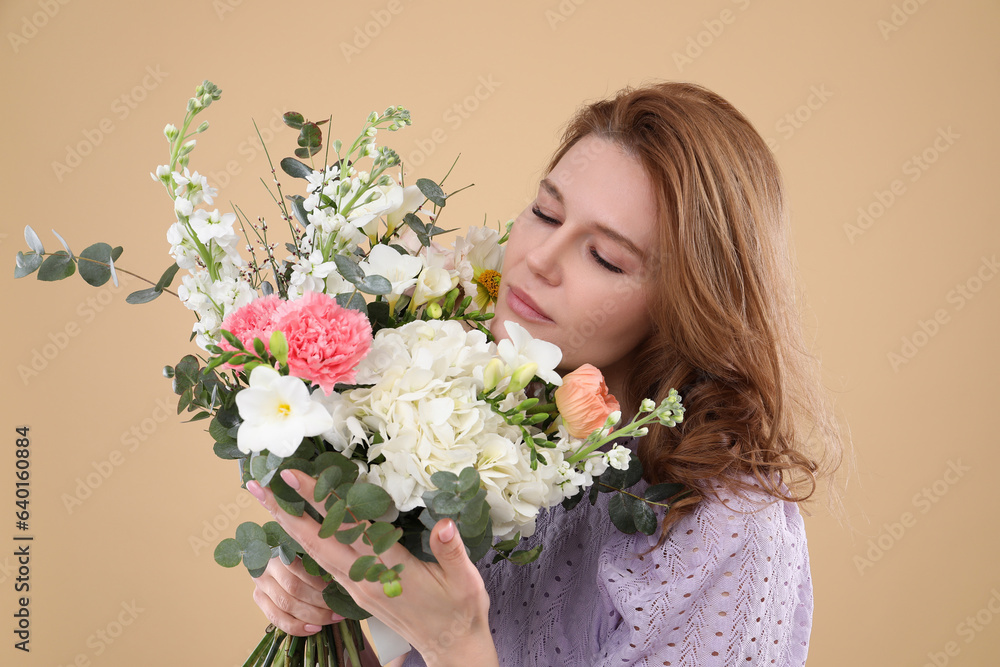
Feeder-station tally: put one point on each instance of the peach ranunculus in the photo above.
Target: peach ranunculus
(584, 402)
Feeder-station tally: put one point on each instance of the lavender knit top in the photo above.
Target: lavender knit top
(729, 586)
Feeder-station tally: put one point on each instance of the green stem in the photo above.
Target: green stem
(269, 658)
(255, 656)
(117, 268)
(352, 650)
(613, 435)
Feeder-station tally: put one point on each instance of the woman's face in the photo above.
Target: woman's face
(575, 265)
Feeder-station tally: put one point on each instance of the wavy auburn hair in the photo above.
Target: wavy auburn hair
(726, 330)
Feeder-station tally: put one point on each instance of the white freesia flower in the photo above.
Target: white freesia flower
(432, 283)
(412, 199)
(277, 413)
(521, 349)
(378, 201)
(400, 270)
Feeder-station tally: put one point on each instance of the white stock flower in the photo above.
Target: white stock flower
(209, 226)
(521, 349)
(619, 457)
(277, 413)
(183, 207)
(312, 274)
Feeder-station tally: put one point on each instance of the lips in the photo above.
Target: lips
(525, 307)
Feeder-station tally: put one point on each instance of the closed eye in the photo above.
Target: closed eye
(541, 216)
(593, 251)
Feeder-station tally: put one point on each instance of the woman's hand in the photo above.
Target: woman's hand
(292, 599)
(443, 608)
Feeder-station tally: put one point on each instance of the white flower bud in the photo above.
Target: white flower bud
(648, 405)
(170, 132)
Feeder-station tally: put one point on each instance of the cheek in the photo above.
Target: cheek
(610, 326)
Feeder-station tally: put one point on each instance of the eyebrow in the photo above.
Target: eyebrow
(610, 232)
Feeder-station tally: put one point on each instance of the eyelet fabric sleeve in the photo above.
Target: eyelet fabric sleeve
(729, 586)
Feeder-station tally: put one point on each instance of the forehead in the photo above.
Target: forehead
(601, 184)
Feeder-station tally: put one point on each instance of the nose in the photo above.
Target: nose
(545, 258)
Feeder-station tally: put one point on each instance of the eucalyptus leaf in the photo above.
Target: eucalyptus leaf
(31, 238)
(327, 481)
(360, 566)
(374, 285)
(248, 532)
(660, 492)
(621, 511)
(228, 553)
(526, 556)
(349, 269)
(310, 136)
(167, 277)
(367, 501)
(143, 295)
(227, 451)
(643, 517)
(334, 518)
(94, 262)
(186, 373)
(64, 244)
(431, 190)
(340, 602)
(26, 264)
(256, 555)
(445, 481)
(293, 119)
(381, 536)
(113, 271)
(353, 301)
(295, 169)
(57, 267)
(350, 535)
(298, 209)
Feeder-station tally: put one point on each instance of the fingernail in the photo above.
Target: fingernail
(254, 488)
(448, 531)
(336, 618)
(309, 627)
(289, 478)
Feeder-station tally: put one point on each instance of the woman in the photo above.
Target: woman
(655, 250)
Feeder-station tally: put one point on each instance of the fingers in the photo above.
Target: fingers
(282, 619)
(447, 546)
(296, 582)
(332, 556)
(290, 603)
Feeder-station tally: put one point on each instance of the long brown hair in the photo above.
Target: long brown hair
(726, 330)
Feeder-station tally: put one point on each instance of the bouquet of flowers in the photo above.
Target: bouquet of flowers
(362, 357)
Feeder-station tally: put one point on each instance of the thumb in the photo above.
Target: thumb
(448, 548)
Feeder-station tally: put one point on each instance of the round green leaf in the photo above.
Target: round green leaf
(367, 501)
(248, 532)
(56, 267)
(228, 553)
(256, 555)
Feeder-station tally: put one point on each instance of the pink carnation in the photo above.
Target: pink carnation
(325, 341)
(254, 320)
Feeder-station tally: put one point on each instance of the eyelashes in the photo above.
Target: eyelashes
(593, 251)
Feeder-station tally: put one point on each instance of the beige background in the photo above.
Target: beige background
(895, 581)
